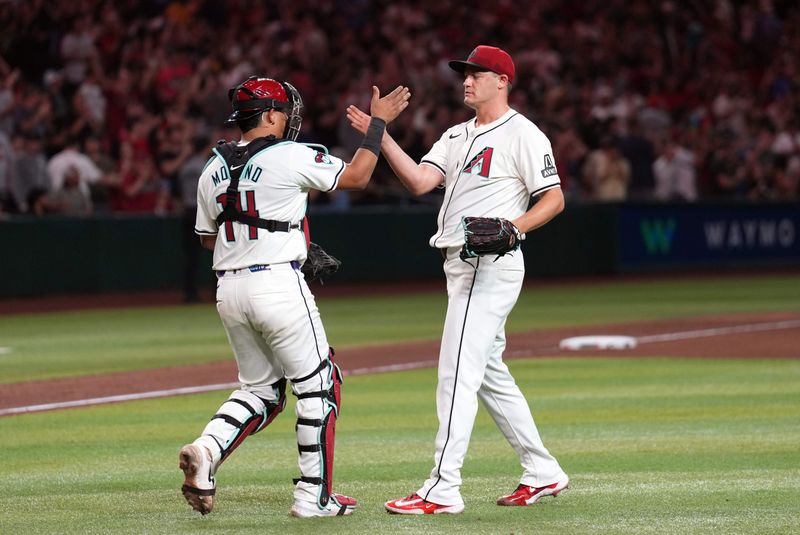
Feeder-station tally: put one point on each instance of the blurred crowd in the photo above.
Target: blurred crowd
(112, 106)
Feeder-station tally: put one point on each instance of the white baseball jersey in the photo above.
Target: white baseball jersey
(274, 184)
(490, 171)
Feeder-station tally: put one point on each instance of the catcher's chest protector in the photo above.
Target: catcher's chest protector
(235, 158)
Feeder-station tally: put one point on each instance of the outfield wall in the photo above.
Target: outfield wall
(70, 255)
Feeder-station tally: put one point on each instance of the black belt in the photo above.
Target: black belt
(255, 268)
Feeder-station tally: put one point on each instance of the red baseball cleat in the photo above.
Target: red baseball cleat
(414, 505)
(525, 495)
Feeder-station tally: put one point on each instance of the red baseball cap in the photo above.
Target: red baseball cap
(487, 58)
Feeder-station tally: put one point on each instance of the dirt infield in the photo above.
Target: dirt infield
(775, 335)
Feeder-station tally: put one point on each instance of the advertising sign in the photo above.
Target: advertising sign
(703, 235)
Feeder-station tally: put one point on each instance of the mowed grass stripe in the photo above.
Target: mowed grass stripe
(87, 342)
(652, 446)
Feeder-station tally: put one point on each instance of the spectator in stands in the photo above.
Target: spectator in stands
(787, 182)
(141, 189)
(32, 112)
(7, 203)
(70, 160)
(30, 171)
(69, 199)
(570, 153)
(70, 157)
(174, 147)
(607, 172)
(727, 170)
(7, 100)
(674, 172)
(100, 192)
(187, 176)
(640, 153)
(61, 109)
(644, 74)
(78, 51)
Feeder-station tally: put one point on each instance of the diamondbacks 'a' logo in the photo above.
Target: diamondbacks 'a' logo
(480, 163)
(549, 169)
(321, 157)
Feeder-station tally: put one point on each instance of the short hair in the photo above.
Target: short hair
(245, 125)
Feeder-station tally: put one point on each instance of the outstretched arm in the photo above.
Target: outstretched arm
(384, 110)
(418, 179)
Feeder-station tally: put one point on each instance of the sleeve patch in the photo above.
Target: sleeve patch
(548, 169)
(321, 157)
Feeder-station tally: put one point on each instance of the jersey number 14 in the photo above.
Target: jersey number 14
(250, 209)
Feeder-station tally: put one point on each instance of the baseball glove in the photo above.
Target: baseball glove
(319, 264)
(489, 236)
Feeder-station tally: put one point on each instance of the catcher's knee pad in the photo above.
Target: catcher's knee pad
(318, 402)
(243, 414)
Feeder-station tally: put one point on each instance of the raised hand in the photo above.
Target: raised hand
(358, 119)
(390, 106)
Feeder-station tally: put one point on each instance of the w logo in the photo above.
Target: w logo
(658, 235)
(480, 163)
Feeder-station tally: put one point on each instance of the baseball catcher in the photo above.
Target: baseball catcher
(257, 228)
(489, 236)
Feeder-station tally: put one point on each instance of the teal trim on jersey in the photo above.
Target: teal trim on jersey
(209, 162)
(317, 146)
(265, 149)
(224, 163)
(215, 151)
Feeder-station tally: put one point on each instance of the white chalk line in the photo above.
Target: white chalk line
(122, 397)
(717, 331)
(393, 367)
(701, 333)
(190, 390)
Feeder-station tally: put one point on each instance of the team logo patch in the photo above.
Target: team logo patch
(321, 157)
(549, 168)
(481, 163)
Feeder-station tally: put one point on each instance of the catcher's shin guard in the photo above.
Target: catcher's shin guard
(243, 414)
(318, 402)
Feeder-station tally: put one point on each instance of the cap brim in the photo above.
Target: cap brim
(461, 66)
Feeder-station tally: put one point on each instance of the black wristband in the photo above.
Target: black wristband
(374, 135)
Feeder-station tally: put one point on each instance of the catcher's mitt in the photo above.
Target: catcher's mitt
(319, 264)
(487, 236)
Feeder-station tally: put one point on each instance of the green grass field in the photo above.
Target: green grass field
(85, 342)
(662, 445)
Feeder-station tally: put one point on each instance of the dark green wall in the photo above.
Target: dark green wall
(62, 255)
(65, 255)
(386, 245)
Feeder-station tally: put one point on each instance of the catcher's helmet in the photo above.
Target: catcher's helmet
(257, 95)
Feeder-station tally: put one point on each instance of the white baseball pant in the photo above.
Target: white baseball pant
(481, 294)
(275, 331)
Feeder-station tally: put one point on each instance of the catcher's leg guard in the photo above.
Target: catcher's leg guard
(242, 415)
(318, 402)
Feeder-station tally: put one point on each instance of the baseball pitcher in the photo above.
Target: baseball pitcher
(490, 167)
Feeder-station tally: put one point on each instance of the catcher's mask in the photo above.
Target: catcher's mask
(257, 95)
